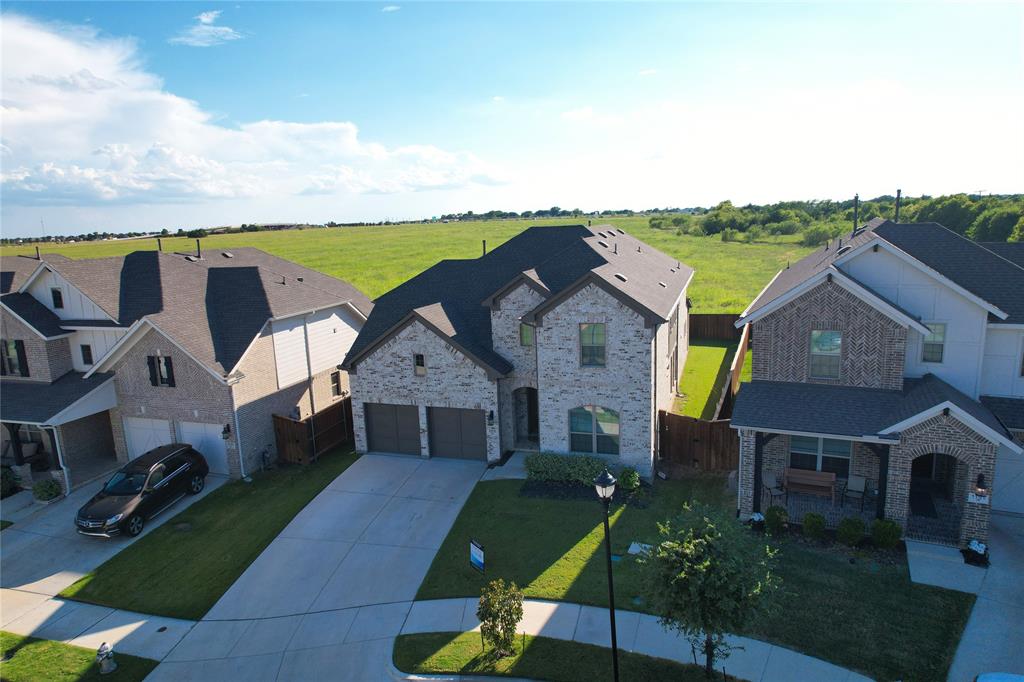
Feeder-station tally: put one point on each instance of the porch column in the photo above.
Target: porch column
(883, 476)
(758, 463)
(14, 430)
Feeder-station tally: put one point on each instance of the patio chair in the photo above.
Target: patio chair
(857, 489)
(772, 487)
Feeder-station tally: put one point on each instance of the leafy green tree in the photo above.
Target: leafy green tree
(708, 576)
(995, 224)
(955, 211)
(1018, 232)
(500, 609)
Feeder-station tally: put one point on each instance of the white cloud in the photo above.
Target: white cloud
(205, 32)
(497, 98)
(647, 72)
(390, 8)
(86, 125)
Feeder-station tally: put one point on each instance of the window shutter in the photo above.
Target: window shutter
(154, 380)
(170, 371)
(19, 346)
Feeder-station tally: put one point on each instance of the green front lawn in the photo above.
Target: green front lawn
(865, 615)
(704, 375)
(182, 568)
(542, 658)
(27, 659)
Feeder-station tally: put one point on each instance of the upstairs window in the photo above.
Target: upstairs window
(86, 354)
(13, 361)
(419, 364)
(161, 370)
(592, 345)
(594, 429)
(931, 348)
(336, 383)
(826, 354)
(525, 334)
(820, 454)
(58, 298)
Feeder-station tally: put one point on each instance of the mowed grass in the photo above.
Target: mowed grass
(377, 259)
(27, 659)
(704, 375)
(182, 568)
(865, 615)
(538, 658)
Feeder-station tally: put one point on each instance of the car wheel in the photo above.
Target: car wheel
(135, 525)
(195, 485)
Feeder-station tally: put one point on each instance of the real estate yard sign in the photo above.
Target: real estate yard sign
(476, 555)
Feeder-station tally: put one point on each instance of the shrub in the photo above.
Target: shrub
(814, 526)
(500, 609)
(775, 520)
(546, 466)
(729, 235)
(629, 479)
(850, 530)
(8, 482)
(885, 533)
(46, 490)
(754, 233)
(814, 236)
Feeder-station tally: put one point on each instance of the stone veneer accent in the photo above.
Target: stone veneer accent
(625, 384)
(873, 349)
(47, 360)
(452, 380)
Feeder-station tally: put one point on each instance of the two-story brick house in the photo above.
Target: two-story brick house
(563, 339)
(106, 358)
(893, 354)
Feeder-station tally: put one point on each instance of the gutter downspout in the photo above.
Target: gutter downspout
(309, 382)
(238, 434)
(60, 459)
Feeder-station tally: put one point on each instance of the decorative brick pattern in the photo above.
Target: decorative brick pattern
(47, 360)
(505, 333)
(873, 348)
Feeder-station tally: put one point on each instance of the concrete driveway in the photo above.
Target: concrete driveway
(43, 553)
(334, 588)
(993, 640)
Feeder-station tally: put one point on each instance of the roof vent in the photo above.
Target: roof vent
(603, 243)
(602, 235)
(300, 279)
(843, 249)
(619, 231)
(662, 285)
(619, 276)
(638, 249)
(227, 254)
(191, 259)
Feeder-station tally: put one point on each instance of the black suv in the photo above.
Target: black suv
(143, 488)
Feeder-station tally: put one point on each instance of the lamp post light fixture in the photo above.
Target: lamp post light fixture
(605, 486)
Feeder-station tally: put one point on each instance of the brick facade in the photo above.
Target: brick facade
(84, 441)
(47, 360)
(873, 346)
(505, 332)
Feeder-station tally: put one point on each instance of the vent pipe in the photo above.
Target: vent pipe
(159, 244)
(899, 194)
(199, 251)
(856, 209)
(38, 257)
(485, 247)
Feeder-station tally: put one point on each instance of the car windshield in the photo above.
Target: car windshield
(126, 483)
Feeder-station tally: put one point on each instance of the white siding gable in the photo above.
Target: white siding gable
(1002, 364)
(77, 306)
(101, 341)
(331, 334)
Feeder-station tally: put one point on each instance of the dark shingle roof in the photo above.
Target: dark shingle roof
(1010, 411)
(975, 267)
(1011, 251)
(34, 313)
(35, 402)
(847, 410)
(14, 270)
(450, 294)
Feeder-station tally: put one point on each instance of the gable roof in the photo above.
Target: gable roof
(454, 294)
(1011, 251)
(974, 268)
(34, 314)
(14, 270)
(34, 402)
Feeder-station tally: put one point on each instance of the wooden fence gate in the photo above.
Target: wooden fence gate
(328, 428)
(706, 445)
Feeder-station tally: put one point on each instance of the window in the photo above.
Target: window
(86, 354)
(336, 383)
(931, 348)
(826, 354)
(13, 361)
(156, 475)
(161, 370)
(594, 429)
(820, 454)
(525, 334)
(419, 365)
(592, 345)
(58, 297)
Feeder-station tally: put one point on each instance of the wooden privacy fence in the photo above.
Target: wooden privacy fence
(706, 445)
(302, 441)
(732, 384)
(714, 326)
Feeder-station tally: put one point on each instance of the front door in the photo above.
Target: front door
(532, 415)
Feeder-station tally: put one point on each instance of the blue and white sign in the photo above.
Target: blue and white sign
(476, 555)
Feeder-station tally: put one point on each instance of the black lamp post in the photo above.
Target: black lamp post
(605, 486)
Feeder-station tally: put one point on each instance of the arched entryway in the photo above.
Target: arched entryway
(527, 422)
(937, 490)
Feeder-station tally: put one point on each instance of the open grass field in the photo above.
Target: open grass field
(376, 259)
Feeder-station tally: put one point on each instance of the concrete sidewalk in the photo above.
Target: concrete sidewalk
(640, 633)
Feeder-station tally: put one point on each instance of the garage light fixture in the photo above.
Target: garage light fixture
(226, 433)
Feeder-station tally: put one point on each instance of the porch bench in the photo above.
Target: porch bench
(812, 482)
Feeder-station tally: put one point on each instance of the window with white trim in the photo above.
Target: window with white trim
(820, 454)
(826, 354)
(419, 364)
(933, 344)
(592, 341)
(525, 334)
(57, 296)
(594, 429)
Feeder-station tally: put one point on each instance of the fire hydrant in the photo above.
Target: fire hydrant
(105, 659)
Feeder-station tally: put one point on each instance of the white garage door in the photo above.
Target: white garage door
(207, 439)
(1008, 488)
(142, 435)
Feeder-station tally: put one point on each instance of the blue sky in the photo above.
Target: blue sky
(142, 116)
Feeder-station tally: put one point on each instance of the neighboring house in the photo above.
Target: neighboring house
(563, 339)
(895, 354)
(106, 358)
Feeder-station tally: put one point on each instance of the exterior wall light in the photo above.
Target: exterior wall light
(226, 433)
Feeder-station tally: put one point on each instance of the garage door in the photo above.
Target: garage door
(207, 439)
(142, 435)
(457, 433)
(1008, 488)
(392, 428)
